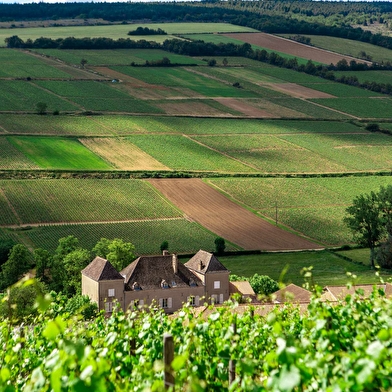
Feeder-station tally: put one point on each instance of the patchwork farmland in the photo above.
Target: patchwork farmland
(286, 149)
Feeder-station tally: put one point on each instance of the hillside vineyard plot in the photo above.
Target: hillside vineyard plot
(312, 206)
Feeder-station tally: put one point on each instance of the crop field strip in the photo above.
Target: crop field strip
(350, 47)
(183, 236)
(119, 31)
(106, 57)
(97, 201)
(312, 206)
(368, 76)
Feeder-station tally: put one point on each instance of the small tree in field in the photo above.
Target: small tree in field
(219, 245)
(164, 246)
(41, 108)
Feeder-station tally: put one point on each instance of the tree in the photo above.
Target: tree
(83, 62)
(225, 62)
(14, 42)
(211, 62)
(5, 248)
(73, 263)
(164, 246)
(43, 261)
(117, 251)
(263, 284)
(219, 245)
(364, 220)
(17, 264)
(41, 108)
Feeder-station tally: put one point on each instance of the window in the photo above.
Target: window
(216, 284)
(164, 284)
(109, 307)
(214, 299)
(111, 293)
(136, 286)
(166, 303)
(194, 300)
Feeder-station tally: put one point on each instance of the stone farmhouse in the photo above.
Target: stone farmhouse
(162, 280)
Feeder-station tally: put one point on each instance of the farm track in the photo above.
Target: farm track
(24, 225)
(217, 213)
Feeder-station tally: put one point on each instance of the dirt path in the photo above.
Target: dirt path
(222, 216)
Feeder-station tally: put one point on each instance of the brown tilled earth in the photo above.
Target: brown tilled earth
(244, 108)
(227, 219)
(297, 49)
(297, 91)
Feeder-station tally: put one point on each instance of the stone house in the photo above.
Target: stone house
(162, 280)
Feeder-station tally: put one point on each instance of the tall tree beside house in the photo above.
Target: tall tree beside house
(43, 261)
(220, 245)
(364, 218)
(73, 263)
(117, 251)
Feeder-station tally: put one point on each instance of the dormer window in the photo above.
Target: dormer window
(192, 283)
(173, 284)
(164, 284)
(136, 286)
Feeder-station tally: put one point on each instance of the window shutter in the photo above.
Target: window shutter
(188, 299)
(160, 302)
(197, 300)
(132, 304)
(221, 298)
(141, 302)
(169, 303)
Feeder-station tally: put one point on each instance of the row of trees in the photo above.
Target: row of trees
(370, 219)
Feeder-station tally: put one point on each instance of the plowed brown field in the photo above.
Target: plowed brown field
(297, 49)
(222, 216)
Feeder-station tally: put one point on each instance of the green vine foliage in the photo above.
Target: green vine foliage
(343, 346)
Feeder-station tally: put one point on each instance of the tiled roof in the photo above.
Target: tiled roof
(336, 293)
(292, 293)
(150, 271)
(101, 269)
(204, 262)
(241, 287)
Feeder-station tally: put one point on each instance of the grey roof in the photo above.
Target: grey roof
(150, 271)
(101, 269)
(205, 262)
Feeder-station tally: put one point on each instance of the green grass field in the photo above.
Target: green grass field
(120, 31)
(116, 57)
(328, 268)
(368, 76)
(58, 153)
(183, 236)
(16, 64)
(20, 95)
(342, 90)
(312, 206)
(13, 158)
(360, 107)
(181, 153)
(185, 79)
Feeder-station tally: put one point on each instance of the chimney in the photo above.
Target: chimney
(175, 263)
(165, 252)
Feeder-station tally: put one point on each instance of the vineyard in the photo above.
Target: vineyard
(325, 346)
(312, 206)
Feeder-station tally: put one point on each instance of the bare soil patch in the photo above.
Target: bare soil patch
(244, 107)
(297, 49)
(227, 219)
(297, 91)
(120, 76)
(123, 154)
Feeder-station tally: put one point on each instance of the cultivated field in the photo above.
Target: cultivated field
(273, 42)
(350, 47)
(227, 219)
(120, 31)
(314, 207)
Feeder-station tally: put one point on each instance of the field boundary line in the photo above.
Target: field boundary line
(26, 225)
(58, 96)
(333, 110)
(10, 205)
(220, 152)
